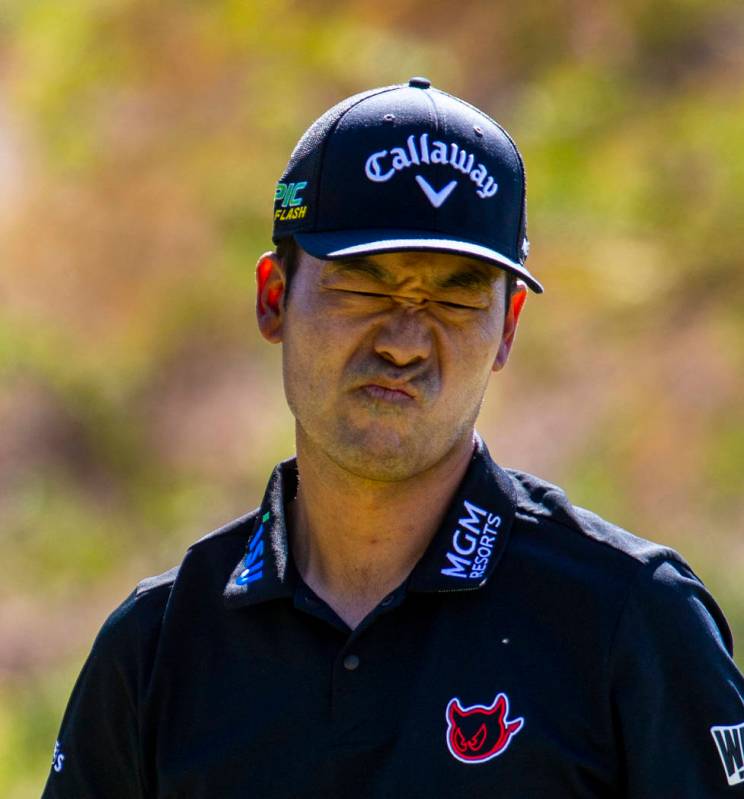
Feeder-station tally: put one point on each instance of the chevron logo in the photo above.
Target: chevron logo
(436, 198)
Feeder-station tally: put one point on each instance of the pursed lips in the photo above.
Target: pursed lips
(380, 388)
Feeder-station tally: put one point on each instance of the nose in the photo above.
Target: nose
(404, 338)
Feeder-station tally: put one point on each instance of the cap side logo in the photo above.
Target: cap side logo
(292, 204)
(479, 733)
(730, 743)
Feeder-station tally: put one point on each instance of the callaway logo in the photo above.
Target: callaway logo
(730, 743)
(382, 165)
(253, 560)
(472, 542)
(479, 733)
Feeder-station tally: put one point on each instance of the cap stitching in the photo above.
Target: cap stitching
(431, 102)
(520, 232)
(332, 130)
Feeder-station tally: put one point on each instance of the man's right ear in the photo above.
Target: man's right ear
(271, 284)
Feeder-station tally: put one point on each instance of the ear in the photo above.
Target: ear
(270, 291)
(511, 319)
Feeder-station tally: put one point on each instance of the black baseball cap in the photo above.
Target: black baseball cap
(406, 167)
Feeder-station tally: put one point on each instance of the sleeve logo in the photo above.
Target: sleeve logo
(730, 743)
(58, 759)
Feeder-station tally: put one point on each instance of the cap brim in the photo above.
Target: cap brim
(349, 243)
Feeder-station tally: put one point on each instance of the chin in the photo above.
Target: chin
(385, 455)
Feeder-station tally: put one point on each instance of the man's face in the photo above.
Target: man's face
(386, 358)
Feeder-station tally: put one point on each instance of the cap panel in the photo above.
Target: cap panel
(500, 219)
(297, 192)
(413, 159)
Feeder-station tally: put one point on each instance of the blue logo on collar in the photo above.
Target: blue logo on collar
(253, 560)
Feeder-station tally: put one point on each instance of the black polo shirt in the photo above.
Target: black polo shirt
(534, 651)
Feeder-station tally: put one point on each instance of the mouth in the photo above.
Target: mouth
(389, 393)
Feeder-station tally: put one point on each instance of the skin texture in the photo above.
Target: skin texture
(385, 362)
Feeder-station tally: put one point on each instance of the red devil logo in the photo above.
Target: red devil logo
(478, 733)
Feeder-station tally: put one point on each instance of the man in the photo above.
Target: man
(401, 616)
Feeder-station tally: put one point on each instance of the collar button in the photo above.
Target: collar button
(351, 662)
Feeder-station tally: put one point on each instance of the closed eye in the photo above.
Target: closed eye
(363, 293)
(444, 303)
(458, 306)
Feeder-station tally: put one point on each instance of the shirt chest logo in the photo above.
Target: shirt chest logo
(479, 733)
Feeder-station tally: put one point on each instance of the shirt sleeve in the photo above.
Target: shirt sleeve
(97, 754)
(678, 697)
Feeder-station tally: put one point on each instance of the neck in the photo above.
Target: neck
(354, 540)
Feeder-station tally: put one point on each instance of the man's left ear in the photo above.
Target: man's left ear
(511, 319)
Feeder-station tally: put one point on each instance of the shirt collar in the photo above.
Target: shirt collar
(462, 556)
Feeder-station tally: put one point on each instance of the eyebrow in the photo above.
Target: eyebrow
(463, 278)
(466, 279)
(361, 266)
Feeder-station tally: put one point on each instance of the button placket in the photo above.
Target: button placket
(351, 683)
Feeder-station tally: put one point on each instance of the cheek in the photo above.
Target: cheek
(314, 351)
(321, 328)
(472, 355)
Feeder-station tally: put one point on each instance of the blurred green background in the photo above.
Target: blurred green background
(139, 147)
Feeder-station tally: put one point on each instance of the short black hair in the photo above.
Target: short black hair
(288, 253)
(287, 250)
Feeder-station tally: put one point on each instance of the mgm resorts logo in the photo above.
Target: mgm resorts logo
(472, 543)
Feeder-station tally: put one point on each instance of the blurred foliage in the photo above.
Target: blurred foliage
(139, 146)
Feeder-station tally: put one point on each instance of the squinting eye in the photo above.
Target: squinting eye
(375, 295)
(457, 306)
(362, 293)
(369, 295)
